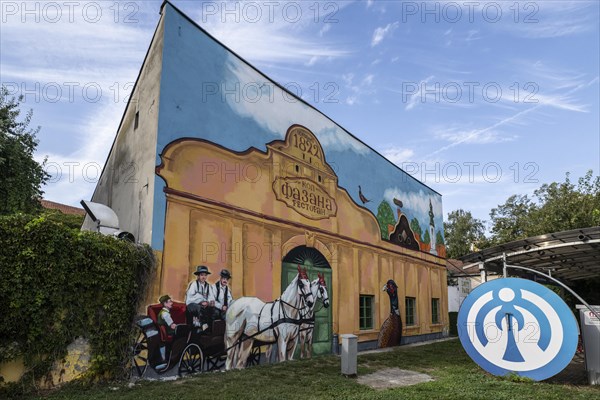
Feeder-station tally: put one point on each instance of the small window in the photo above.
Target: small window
(319, 178)
(411, 311)
(366, 312)
(435, 311)
(136, 122)
(297, 168)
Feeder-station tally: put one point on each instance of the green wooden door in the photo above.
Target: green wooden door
(322, 333)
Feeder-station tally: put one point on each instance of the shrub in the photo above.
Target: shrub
(57, 283)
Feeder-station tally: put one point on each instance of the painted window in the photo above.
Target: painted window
(411, 311)
(366, 312)
(435, 311)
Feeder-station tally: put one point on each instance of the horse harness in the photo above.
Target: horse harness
(274, 324)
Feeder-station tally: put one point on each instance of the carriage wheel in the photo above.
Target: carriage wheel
(139, 358)
(254, 357)
(191, 360)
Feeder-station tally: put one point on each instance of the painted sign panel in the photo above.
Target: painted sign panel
(515, 325)
(305, 196)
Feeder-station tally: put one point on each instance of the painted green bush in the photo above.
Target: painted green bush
(57, 283)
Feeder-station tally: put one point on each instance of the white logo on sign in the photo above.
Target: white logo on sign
(521, 338)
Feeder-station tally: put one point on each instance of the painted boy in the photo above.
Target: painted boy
(164, 316)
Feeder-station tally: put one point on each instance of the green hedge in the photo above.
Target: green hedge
(57, 283)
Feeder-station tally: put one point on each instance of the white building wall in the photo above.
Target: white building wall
(457, 294)
(127, 181)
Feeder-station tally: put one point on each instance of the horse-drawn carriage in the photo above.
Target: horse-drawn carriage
(190, 348)
(235, 343)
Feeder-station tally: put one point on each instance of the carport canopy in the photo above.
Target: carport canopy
(568, 256)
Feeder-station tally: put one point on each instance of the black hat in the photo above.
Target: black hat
(164, 298)
(201, 269)
(225, 274)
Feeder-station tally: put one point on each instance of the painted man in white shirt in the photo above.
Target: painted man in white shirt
(199, 298)
(222, 294)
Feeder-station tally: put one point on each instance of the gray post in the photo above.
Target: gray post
(335, 344)
(590, 333)
(349, 351)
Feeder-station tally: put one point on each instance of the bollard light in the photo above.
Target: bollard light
(349, 353)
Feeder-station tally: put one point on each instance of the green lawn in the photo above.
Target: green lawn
(456, 377)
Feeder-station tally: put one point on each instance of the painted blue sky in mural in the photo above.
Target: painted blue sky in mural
(196, 69)
(479, 100)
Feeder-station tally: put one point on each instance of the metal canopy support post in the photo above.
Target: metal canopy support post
(554, 280)
(482, 272)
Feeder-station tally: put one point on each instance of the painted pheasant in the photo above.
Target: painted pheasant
(361, 196)
(391, 329)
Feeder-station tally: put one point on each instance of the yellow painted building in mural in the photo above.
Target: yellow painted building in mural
(247, 210)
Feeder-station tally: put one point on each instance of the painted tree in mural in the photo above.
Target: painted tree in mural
(416, 228)
(21, 177)
(385, 216)
(426, 237)
(439, 239)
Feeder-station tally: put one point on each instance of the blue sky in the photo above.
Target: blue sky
(479, 100)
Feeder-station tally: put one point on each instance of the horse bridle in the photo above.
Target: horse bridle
(304, 295)
(321, 290)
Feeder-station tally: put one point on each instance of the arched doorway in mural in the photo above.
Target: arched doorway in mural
(314, 262)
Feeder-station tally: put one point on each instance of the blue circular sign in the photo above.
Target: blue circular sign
(519, 326)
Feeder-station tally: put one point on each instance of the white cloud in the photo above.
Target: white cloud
(381, 32)
(418, 96)
(561, 102)
(326, 28)
(278, 112)
(348, 78)
(368, 80)
(272, 38)
(398, 155)
(76, 174)
(312, 61)
(472, 136)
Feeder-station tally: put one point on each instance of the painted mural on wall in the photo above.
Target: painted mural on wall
(212, 331)
(235, 106)
(261, 187)
(390, 332)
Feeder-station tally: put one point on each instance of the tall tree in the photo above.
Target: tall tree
(462, 231)
(512, 220)
(554, 207)
(21, 177)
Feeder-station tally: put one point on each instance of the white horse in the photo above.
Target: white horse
(249, 319)
(319, 290)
